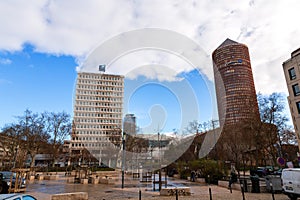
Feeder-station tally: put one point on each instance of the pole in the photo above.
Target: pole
(123, 160)
(166, 173)
(159, 174)
(210, 195)
(242, 189)
(272, 191)
(140, 195)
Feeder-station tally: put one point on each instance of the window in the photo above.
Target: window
(292, 73)
(296, 89)
(298, 106)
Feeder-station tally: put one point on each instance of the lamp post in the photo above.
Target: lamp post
(15, 156)
(123, 157)
(159, 162)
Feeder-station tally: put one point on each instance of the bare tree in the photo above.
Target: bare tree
(58, 125)
(272, 109)
(33, 133)
(10, 143)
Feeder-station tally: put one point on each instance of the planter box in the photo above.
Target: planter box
(181, 191)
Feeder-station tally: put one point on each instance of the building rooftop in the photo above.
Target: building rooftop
(227, 42)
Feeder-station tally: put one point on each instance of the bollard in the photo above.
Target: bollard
(176, 194)
(243, 193)
(272, 191)
(140, 195)
(210, 195)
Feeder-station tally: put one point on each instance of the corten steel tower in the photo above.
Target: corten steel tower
(236, 96)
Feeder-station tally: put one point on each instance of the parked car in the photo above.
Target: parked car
(290, 178)
(16, 197)
(262, 171)
(6, 181)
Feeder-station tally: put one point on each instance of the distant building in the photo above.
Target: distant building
(291, 68)
(129, 124)
(97, 123)
(235, 90)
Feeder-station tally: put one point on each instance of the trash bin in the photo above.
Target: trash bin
(243, 183)
(255, 184)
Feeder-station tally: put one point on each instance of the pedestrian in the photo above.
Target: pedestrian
(193, 174)
(233, 178)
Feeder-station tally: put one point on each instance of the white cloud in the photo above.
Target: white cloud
(269, 29)
(5, 61)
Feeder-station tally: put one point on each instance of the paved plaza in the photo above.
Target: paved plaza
(46, 188)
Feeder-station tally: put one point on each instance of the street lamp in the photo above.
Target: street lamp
(123, 157)
(159, 162)
(15, 156)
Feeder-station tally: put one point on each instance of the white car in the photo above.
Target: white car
(291, 182)
(16, 197)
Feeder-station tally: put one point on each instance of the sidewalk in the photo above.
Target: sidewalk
(44, 189)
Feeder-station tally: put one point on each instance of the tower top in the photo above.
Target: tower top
(227, 42)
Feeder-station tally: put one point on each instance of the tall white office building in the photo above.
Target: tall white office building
(97, 121)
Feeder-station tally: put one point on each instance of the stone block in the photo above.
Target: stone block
(71, 180)
(200, 180)
(40, 177)
(31, 178)
(70, 196)
(50, 177)
(107, 181)
(171, 191)
(95, 180)
(84, 181)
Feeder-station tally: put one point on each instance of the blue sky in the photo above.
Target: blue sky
(43, 82)
(44, 43)
(37, 81)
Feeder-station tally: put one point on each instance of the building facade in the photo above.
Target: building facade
(235, 90)
(129, 125)
(291, 68)
(97, 121)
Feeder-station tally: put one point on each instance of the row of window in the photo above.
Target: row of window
(105, 115)
(100, 77)
(89, 126)
(96, 132)
(96, 139)
(115, 99)
(114, 94)
(108, 144)
(102, 104)
(104, 83)
(105, 121)
(97, 87)
(116, 110)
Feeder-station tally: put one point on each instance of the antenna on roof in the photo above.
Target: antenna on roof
(102, 68)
